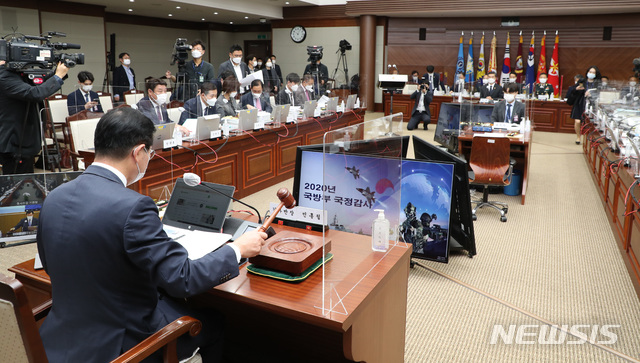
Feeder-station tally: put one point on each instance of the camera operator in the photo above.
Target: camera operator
(421, 112)
(20, 139)
(323, 73)
(197, 71)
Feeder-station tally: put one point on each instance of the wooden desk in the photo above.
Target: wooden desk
(273, 321)
(250, 161)
(520, 151)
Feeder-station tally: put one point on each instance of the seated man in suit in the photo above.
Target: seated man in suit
(421, 112)
(256, 98)
(154, 104)
(305, 93)
(513, 78)
(288, 94)
(630, 92)
(124, 78)
(235, 64)
(118, 274)
(29, 223)
(459, 85)
(431, 78)
(491, 90)
(508, 110)
(415, 78)
(84, 98)
(201, 105)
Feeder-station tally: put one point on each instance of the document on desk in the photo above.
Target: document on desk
(197, 243)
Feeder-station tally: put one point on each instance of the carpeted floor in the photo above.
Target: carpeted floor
(555, 258)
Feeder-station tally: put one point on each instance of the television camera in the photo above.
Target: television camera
(344, 46)
(315, 53)
(180, 52)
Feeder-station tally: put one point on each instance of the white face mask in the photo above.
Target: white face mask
(269, 64)
(254, 63)
(259, 64)
(126, 62)
(632, 83)
(140, 173)
(513, 80)
(509, 98)
(209, 101)
(161, 99)
(256, 95)
(196, 54)
(233, 94)
(87, 88)
(294, 87)
(543, 80)
(604, 84)
(491, 80)
(273, 61)
(591, 75)
(225, 100)
(236, 60)
(309, 88)
(415, 79)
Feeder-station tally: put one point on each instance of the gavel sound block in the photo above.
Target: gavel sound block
(289, 251)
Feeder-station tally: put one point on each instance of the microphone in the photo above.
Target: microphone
(193, 180)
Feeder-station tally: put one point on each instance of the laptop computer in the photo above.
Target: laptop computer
(310, 108)
(246, 119)
(280, 113)
(163, 132)
(205, 125)
(332, 105)
(198, 208)
(351, 101)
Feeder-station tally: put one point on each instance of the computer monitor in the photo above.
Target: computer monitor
(461, 225)
(448, 127)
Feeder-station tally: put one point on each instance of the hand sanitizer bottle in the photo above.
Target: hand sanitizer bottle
(380, 232)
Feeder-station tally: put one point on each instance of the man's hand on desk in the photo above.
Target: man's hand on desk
(250, 243)
(183, 130)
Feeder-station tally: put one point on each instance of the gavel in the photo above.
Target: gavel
(286, 200)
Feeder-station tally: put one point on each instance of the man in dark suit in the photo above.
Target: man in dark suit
(201, 105)
(235, 64)
(20, 139)
(84, 98)
(508, 110)
(421, 112)
(154, 104)
(323, 75)
(256, 98)
(305, 91)
(288, 93)
(277, 67)
(26, 224)
(117, 277)
(491, 90)
(431, 78)
(124, 78)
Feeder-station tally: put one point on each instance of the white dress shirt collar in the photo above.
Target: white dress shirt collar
(117, 172)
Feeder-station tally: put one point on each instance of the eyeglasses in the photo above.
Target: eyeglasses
(151, 153)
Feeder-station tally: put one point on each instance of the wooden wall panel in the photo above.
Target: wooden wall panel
(257, 163)
(287, 155)
(224, 171)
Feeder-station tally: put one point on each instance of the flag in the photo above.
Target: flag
(530, 77)
(506, 64)
(480, 71)
(460, 63)
(519, 62)
(554, 73)
(469, 78)
(542, 64)
(492, 57)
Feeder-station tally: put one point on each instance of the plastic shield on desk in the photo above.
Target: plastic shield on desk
(359, 183)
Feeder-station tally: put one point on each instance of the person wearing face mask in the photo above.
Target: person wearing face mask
(255, 98)
(421, 111)
(270, 77)
(323, 74)
(415, 78)
(459, 85)
(542, 87)
(630, 93)
(513, 78)
(575, 98)
(226, 105)
(277, 67)
(431, 78)
(121, 253)
(252, 63)
(260, 63)
(30, 223)
(235, 64)
(84, 98)
(124, 78)
(154, 105)
(593, 82)
(604, 84)
(305, 91)
(508, 110)
(197, 71)
(202, 105)
(287, 95)
(491, 90)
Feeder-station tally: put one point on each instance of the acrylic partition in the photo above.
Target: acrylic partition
(361, 174)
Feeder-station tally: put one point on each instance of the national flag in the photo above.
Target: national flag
(530, 77)
(519, 63)
(492, 58)
(480, 72)
(542, 64)
(460, 62)
(506, 64)
(469, 73)
(554, 73)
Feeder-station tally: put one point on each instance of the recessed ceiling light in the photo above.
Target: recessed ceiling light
(177, 7)
(202, 19)
(131, 1)
(246, 17)
(230, 22)
(216, 13)
(170, 14)
(286, 3)
(130, 9)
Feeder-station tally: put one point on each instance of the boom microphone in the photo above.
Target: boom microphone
(193, 180)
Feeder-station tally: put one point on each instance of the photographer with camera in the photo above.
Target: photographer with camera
(196, 71)
(421, 112)
(20, 138)
(319, 71)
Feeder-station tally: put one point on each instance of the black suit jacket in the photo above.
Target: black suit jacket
(499, 111)
(496, 93)
(279, 73)
(24, 224)
(428, 97)
(76, 102)
(282, 98)
(193, 109)
(247, 99)
(148, 109)
(436, 80)
(106, 272)
(15, 95)
(121, 81)
(228, 66)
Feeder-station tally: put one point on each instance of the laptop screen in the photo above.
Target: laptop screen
(198, 208)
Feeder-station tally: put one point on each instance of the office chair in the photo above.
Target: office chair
(21, 342)
(491, 165)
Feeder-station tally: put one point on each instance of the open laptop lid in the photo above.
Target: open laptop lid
(163, 132)
(351, 102)
(247, 118)
(310, 108)
(198, 208)
(206, 124)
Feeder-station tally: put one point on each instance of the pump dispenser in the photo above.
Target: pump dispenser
(380, 232)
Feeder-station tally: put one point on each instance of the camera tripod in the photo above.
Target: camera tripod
(342, 58)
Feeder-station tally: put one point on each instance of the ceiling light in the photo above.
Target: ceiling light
(216, 13)
(202, 19)
(286, 3)
(132, 1)
(177, 7)
(170, 14)
(130, 9)
(230, 22)
(246, 17)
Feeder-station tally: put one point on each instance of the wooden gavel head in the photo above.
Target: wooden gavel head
(286, 198)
